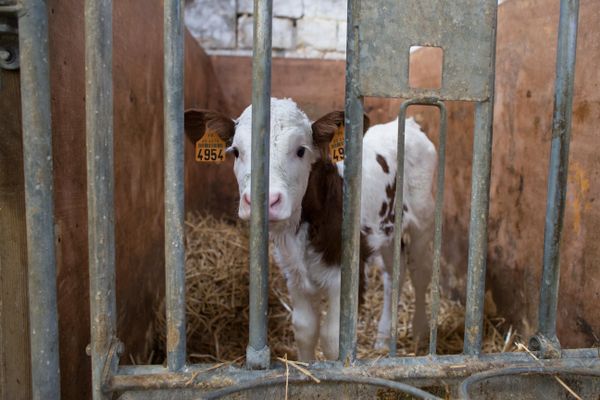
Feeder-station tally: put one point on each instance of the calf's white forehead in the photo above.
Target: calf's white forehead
(289, 124)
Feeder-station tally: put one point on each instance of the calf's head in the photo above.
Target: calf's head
(295, 144)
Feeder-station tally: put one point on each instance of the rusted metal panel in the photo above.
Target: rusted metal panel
(464, 29)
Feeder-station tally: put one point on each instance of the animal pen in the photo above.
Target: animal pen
(378, 43)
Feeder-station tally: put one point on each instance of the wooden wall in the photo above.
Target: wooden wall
(138, 122)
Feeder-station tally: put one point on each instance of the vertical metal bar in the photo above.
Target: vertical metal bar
(480, 199)
(100, 178)
(257, 352)
(559, 162)
(437, 237)
(352, 185)
(174, 187)
(37, 148)
(399, 213)
(480, 192)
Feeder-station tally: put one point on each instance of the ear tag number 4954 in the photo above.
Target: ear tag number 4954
(336, 146)
(210, 148)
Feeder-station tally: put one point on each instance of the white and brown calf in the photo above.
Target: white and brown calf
(305, 211)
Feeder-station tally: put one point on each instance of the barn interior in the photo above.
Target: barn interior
(218, 76)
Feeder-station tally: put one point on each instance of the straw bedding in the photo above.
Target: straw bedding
(217, 304)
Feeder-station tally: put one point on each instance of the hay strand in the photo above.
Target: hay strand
(217, 304)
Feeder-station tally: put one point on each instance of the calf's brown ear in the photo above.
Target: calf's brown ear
(325, 127)
(197, 122)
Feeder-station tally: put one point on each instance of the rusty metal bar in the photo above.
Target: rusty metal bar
(480, 202)
(326, 377)
(521, 370)
(100, 178)
(132, 377)
(399, 212)
(480, 193)
(174, 186)
(558, 171)
(257, 353)
(351, 198)
(37, 152)
(437, 236)
(437, 243)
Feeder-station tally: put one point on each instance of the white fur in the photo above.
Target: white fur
(308, 278)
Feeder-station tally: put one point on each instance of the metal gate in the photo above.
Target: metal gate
(379, 39)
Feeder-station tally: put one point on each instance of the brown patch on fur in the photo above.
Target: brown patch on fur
(197, 122)
(367, 230)
(322, 210)
(383, 209)
(384, 165)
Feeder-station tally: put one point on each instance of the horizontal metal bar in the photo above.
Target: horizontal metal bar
(100, 181)
(325, 378)
(10, 9)
(174, 185)
(410, 368)
(257, 352)
(559, 167)
(514, 371)
(37, 153)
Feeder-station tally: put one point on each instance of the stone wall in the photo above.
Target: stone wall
(301, 28)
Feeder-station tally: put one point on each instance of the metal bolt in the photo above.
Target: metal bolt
(88, 349)
(5, 55)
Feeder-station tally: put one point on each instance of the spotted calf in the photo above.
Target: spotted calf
(305, 211)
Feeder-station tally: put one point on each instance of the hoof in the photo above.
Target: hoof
(382, 343)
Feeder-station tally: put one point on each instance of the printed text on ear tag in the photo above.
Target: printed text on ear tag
(336, 146)
(210, 148)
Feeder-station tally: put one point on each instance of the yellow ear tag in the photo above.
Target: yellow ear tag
(336, 146)
(210, 148)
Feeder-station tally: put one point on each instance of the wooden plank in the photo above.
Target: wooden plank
(14, 330)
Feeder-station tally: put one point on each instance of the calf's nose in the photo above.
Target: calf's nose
(246, 198)
(274, 199)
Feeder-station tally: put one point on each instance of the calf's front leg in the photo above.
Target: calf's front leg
(305, 321)
(330, 332)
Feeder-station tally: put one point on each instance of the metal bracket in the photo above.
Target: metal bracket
(9, 37)
(548, 347)
(112, 362)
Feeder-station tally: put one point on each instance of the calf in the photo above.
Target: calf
(305, 211)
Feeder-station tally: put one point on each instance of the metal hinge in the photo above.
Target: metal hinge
(9, 36)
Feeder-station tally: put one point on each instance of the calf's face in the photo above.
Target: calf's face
(295, 144)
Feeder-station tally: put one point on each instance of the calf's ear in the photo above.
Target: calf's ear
(325, 127)
(197, 122)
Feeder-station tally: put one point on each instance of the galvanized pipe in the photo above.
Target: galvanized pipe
(399, 213)
(257, 352)
(174, 186)
(37, 150)
(437, 235)
(480, 201)
(559, 163)
(100, 178)
(134, 377)
(480, 193)
(351, 198)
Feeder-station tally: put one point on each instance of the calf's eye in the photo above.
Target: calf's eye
(300, 152)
